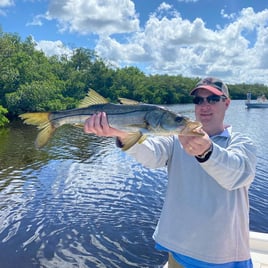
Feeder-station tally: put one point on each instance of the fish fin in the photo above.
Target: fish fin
(128, 101)
(35, 119)
(192, 128)
(92, 97)
(78, 125)
(133, 138)
(41, 120)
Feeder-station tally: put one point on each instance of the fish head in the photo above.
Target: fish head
(172, 122)
(181, 125)
(165, 122)
(161, 120)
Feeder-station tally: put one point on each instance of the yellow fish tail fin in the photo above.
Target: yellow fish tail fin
(36, 119)
(41, 120)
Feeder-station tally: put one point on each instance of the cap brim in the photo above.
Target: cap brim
(209, 88)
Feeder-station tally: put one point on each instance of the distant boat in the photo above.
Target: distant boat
(261, 102)
(257, 104)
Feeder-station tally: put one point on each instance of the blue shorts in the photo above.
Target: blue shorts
(188, 262)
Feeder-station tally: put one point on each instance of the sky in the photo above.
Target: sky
(227, 39)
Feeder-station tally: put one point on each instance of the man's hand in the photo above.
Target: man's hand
(196, 145)
(98, 124)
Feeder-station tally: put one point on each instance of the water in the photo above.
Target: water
(81, 202)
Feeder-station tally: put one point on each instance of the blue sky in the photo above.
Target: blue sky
(193, 38)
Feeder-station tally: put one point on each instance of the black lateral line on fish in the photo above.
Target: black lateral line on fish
(90, 114)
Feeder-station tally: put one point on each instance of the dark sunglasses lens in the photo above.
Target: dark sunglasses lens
(210, 99)
(213, 99)
(198, 100)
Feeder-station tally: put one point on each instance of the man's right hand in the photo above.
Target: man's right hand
(98, 124)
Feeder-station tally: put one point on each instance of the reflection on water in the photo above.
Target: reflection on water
(81, 202)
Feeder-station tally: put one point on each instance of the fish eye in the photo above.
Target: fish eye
(178, 118)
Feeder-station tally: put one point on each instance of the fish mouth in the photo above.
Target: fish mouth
(192, 128)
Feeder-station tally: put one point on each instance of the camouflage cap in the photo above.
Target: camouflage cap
(212, 84)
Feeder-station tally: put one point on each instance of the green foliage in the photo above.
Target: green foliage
(31, 81)
(238, 91)
(3, 119)
(38, 96)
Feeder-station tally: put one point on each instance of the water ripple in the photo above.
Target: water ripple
(81, 202)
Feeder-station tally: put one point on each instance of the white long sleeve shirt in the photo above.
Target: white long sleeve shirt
(205, 214)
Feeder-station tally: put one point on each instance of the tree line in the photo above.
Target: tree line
(32, 81)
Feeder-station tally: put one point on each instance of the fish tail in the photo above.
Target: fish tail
(41, 120)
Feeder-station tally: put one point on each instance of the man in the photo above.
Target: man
(205, 217)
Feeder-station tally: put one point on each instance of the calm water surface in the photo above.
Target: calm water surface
(81, 202)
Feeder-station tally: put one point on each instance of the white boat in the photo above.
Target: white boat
(256, 104)
(258, 249)
(261, 102)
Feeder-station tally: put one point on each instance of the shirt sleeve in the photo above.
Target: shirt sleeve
(234, 166)
(154, 152)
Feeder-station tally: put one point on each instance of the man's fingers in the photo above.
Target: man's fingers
(89, 126)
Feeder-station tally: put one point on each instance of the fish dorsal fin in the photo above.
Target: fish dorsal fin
(92, 98)
(128, 101)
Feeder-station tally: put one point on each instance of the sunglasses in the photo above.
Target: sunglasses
(212, 99)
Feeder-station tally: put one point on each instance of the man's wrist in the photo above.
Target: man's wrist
(205, 156)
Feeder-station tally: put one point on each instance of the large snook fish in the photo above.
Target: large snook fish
(130, 116)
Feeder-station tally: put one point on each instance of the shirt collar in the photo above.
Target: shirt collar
(225, 133)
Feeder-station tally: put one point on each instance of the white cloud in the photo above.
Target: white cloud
(168, 43)
(51, 48)
(6, 3)
(37, 21)
(226, 15)
(121, 54)
(95, 16)
(164, 6)
(178, 46)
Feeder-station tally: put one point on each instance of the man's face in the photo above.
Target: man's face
(210, 115)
